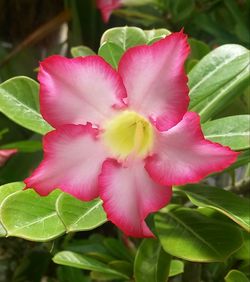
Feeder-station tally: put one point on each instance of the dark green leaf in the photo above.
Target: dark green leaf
(152, 263)
(233, 206)
(188, 234)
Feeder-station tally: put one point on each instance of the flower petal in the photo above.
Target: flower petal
(155, 80)
(182, 155)
(5, 154)
(129, 195)
(79, 90)
(73, 157)
(106, 7)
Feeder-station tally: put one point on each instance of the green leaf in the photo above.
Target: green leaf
(117, 249)
(26, 146)
(27, 215)
(125, 37)
(242, 160)
(154, 35)
(236, 276)
(231, 131)
(188, 234)
(198, 49)
(84, 262)
(5, 191)
(217, 79)
(176, 267)
(111, 53)
(78, 215)
(231, 205)
(244, 252)
(151, 262)
(19, 102)
(81, 51)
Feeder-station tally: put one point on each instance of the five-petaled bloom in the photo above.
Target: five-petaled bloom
(125, 135)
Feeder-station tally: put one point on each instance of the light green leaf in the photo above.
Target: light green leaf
(231, 131)
(151, 262)
(19, 102)
(226, 202)
(236, 276)
(154, 35)
(125, 37)
(27, 215)
(111, 53)
(217, 79)
(5, 191)
(78, 215)
(188, 234)
(84, 262)
(176, 267)
(26, 146)
(81, 51)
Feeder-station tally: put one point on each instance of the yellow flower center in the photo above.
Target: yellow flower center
(128, 134)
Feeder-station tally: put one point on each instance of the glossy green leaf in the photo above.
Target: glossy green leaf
(244, 252)
(125, 37)
(81, 51)
(188, 234)
(217, 79)
(111, 53)
(78, 215)
(233, 206)
(176, 267)
(231, 131)
(152, 263)
(27, 215)
(19, 102)
(26, 146)
(84, 262)
(5, 191)
(236, 276)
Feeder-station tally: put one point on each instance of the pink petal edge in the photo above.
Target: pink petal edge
(182, 155)
(79, 90)
(73, 157)
(155, 80)
(129, 195)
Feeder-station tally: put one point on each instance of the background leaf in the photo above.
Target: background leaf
(231, 205)
(188, 234)
(78, 215)
(233, 131)
(152, 264)
(217, 79)
(19, 102)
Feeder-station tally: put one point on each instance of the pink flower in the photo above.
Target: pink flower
(107, 6)
(5, 154)
(124, 135)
